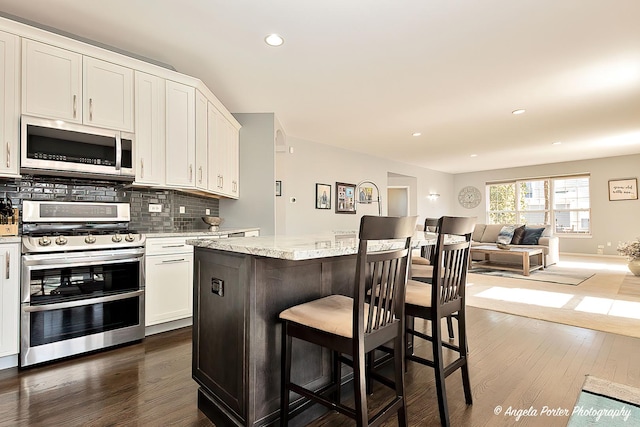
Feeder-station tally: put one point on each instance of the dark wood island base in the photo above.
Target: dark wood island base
(236, 332)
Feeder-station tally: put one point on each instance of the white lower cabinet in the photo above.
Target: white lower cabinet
(169, 280)
(9, 298)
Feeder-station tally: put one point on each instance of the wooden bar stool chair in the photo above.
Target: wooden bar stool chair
(427, 257)
(352, 327)
(442, 298)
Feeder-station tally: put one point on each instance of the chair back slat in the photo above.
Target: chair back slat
(428, 252)
(381, 276)
(451, 262)
(384, 281)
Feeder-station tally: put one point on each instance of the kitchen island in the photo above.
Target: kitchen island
(240, 287)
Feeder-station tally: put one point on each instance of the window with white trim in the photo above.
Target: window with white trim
(563, 201)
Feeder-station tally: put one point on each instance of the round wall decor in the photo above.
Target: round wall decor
(469, 197)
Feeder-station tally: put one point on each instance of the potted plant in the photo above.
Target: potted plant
(632, 252)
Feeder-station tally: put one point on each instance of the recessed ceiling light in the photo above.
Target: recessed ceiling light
(519, 111)
(274, 40)
(417, 134)
(557, 143)
(474, 155)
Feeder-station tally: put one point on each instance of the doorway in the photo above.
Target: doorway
(398, 201)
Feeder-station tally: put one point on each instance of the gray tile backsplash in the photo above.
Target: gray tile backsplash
(65, 189)
(170, 219)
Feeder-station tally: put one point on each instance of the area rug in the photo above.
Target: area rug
(602, 402)
(551, 274)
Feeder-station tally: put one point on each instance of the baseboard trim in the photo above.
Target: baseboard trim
(168, 326)
(8, 361)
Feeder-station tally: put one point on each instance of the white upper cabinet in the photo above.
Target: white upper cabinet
(228, 146)
(108, 94)
(181, 139)
(215, 154)
(184, 137)
(202, 142)
(57, 85)
(223, 155)
(9, 104)
(51, 82)
(149, 146)
(233, 160)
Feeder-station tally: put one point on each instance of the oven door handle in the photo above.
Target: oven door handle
(89, 301)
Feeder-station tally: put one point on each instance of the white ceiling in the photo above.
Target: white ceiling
(366, 74)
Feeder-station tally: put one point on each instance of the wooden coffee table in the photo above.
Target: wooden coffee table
(523, 254)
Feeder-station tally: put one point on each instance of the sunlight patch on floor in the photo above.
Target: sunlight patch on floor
(607, 306)
(527, 296)
(593, 266)
(595, 305)
(627, 309)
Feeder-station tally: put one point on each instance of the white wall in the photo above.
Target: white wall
(611, 221)
(312, 163)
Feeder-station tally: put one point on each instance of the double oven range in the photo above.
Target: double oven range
(82, 279)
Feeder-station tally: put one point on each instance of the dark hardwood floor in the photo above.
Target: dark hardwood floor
(515, 362)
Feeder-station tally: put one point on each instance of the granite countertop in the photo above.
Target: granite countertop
(220, 232)
(304, 247)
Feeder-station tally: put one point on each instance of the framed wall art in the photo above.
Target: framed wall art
(623, 189)
(365, 195)
(345, 198)
(323, 196)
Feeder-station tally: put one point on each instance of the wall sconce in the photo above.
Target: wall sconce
(433, 196)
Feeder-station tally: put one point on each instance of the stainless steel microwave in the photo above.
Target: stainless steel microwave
(55, 147)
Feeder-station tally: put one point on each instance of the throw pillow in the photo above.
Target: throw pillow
(506, 234)
(518, 234)
(531, 236)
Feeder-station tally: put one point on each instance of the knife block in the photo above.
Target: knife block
(11, 227)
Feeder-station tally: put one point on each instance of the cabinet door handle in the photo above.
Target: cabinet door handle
(8, 265)
(141, 168)
(8, 154)
(90, 109)
(170, 261)
(190, 172)
(200, 170)
(75, 105)
(173, 246)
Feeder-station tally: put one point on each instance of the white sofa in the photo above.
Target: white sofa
(487, 234)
